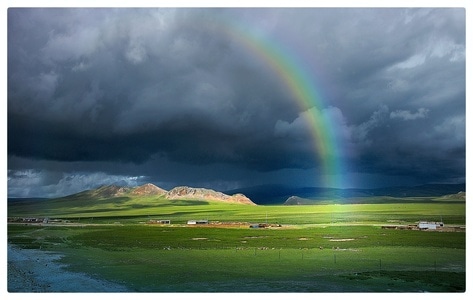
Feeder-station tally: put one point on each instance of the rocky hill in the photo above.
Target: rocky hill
(106, 191)
(147, 189)
(295, 200)
(460, 196)
(110, 191)
(184, 192)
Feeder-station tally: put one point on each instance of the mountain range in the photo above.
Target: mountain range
(149, 189)
(270, 194)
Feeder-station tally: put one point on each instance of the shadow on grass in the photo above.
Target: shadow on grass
(445, 281)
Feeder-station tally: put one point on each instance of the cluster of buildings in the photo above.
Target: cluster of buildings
(215, 223)
(33, 220)
(168, 222)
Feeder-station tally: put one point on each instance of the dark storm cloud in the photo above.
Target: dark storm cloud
(153, 87)
(131, 86)
(402, 89)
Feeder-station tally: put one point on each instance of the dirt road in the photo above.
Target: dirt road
(39, 271)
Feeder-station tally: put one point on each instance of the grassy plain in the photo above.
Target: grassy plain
(319, 248)
(133, 209)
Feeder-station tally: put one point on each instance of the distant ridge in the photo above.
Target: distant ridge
(459, 197)
(278, 194)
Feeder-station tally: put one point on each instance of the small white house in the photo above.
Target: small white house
(197, 222)
(423, 225)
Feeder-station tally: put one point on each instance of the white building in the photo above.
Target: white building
(195, 222)
(424, 225)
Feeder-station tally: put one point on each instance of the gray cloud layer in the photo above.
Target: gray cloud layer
(156, 92)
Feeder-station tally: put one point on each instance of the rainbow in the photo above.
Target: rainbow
(301, 84)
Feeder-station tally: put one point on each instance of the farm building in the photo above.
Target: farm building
(159, 222)
(197, 222)
(424, 225)
(260, 225)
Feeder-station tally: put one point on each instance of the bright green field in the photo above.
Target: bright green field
(132, 210)
(319, 248)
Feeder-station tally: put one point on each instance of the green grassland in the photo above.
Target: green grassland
(132, 209)
(318, 248)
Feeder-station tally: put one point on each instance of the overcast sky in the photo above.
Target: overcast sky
(129, 96)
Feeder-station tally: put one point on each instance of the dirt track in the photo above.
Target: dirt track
(38, 271)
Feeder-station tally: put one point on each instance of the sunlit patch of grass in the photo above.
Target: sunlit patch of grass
(179, 211)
